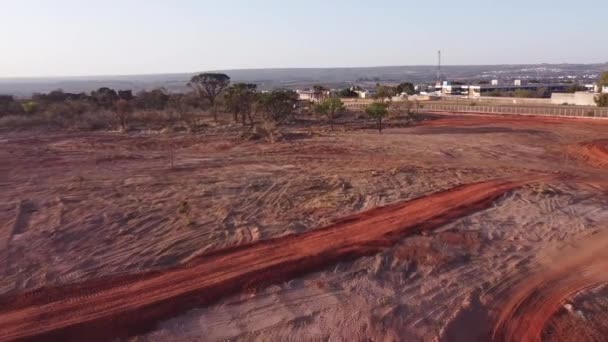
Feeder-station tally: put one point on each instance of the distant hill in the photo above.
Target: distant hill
(306, 77)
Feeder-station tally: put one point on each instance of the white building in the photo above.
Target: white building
(365, 93)
(311, 95)
(605, 90)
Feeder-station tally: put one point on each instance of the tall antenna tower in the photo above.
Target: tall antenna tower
(439, 75)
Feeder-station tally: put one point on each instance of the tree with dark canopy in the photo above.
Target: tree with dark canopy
(209, 86)
(406, 87)
(104, 97)
(278, 104)
(155, 99)
(239, 100)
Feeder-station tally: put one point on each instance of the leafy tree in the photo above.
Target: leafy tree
(155, 99)
(104, 97)
(603, 82)
(347, 93)
(329, 108)
(125, 95)
(209, 86)
(278, 104)
(8, 105)
(319, 92)
(377, 111)
(384, 92)
(602, 100)
(406, 87)
(182, 107)
(239, 99)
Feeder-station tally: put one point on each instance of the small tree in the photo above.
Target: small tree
(122, 110)
(319, 92)
(603, 81)
(329, 108)
(239, 100)
(377, 111)
(104, 97)
(348, 93)
(602, 100)
(209, 86)
(278, 105)
(156, 99)
(384, 92)
(406, 87)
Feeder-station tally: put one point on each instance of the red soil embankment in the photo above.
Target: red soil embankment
(594, 152)
(530, 305)
(128, 305)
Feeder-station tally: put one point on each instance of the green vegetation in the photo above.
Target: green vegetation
(329, 108)
(406, 87)
(278, 105)
(603, 81)
(384, 92)
(347, 93)
(209, 86)
(239, 99)
(602, 100)
(377, 111)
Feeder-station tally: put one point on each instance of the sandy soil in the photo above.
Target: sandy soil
(80, 207)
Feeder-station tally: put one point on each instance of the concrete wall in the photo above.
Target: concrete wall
(578, 98)
(508, 100)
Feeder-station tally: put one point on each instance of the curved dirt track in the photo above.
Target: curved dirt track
(125, 306)
(531, 304)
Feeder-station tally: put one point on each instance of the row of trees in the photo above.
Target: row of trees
(211, 92)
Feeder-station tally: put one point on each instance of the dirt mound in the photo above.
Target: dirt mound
(523, 316)
(594, 152)
(132, 304)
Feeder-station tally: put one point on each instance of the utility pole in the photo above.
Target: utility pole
(439, 76)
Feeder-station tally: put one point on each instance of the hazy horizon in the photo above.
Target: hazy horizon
(69, 38)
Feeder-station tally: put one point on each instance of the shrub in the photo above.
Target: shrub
(20, 121)
(377, 111)
(602, 100)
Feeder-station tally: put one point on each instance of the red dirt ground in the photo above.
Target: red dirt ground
(535, 299)
(124, 306)
(133, 305)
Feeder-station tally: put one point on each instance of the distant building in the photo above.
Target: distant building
(472, 91)
(605, 90)
(494, 82)
(365, 93)
(311, 95)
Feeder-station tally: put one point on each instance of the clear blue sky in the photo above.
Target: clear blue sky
(110, 37)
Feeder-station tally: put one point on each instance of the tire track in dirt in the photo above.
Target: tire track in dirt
(123, 306)
(533, 301)
(594, 152)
